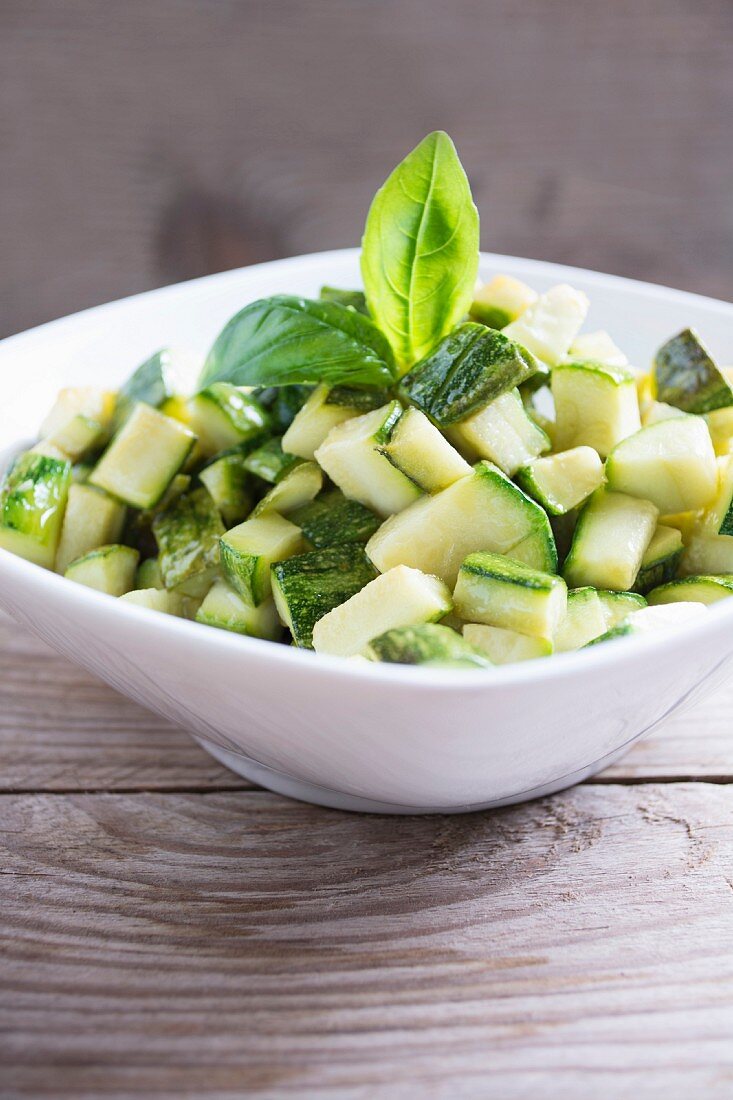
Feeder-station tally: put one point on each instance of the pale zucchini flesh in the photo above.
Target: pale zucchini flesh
(661, 559)
(248, 551)
(313, 422)
(705, 554)
(400, 597)
(297, 487)
(703, 589)
(502, 300)
(549, 326)
(562, 481)
(418, 449)
(610, 540)
(505, 647)
(224, 608)
(109, 569)
(503, 433)
(599, 346)
(584, 620)
(596, 405)
(92, 519)
(498, 591)
(308, 586)
(671, 463)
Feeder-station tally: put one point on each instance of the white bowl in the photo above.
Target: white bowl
(357, 736)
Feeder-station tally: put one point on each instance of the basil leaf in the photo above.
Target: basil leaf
(283, 340)
(420, 249)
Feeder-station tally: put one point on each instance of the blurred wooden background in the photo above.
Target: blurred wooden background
(148, 141)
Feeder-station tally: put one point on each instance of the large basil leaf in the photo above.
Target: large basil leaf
(420, 249)
(284, 340)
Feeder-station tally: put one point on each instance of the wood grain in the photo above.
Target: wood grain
(155, 140)
(63, 730)
(236, 943)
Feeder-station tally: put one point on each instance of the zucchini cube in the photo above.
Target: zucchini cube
(332, 520)
(671, 463)
(298, 486)
(92, 519)
(469, 368)
(353, 457)
(314, 421)
(619, 605)
(585, 619)
(505, 647)
(270, 462)
(480, 512)
(227, 482)
(310, 585)
(248, 551)
(705, 554)
(599, 346)
(609, 542)
(495, 590)
(428, 644)
(549, 325)
(109, 569)
(661, 559)
(705, 590)
(687, 376)
(502, 300)
(503, 433)
(187, 534)
(143, 457)
(563, 481)
(400, 597)
(223, 415)
(596, 405)
(718, 518)
(224, 608)
(33, 498)
(417, 448)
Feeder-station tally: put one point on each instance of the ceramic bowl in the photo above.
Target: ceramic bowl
(336, 732)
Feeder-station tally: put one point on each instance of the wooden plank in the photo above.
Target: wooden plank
(63, 730)
(221, 134)
(237, 943)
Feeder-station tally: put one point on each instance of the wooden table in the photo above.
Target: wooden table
(170, 931)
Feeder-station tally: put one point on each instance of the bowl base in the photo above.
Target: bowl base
(303, 791)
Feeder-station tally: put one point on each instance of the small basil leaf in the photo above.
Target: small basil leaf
(472, 366)
(284, 340)
(420, 249)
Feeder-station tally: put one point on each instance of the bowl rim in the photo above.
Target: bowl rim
(616, 652)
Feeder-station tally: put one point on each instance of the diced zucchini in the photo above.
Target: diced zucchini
(352, 299)
(400, 597)
(282, 403)
(270, 462)
(653, 620)
(503, 433)
(332, 520)
(80, 472)
(505, 647)
(596, 405)
(610, 540)
(661, 559)
(157, 599)
(297, 487)
(417, 448)
(706, 554)
(353, 458)
(92, 519)
(586, 619)
(483, 512)
(687, 376)
(223, 415)
(227, 482)
(314, 421)
(687, 523)
(33, 497)
(224, 608)
(79, 437)
(672, 464)
(428, 644)
(497, 591)
(310, 585)
(720, 426)
(149, 574)
(549, 326)
(248, 551)
(619, 605)
(143, 458)
(469, 368)
(501, 301)
(718, 519)
(653, 412)
(562, 481)
(599, 346)
(109, 569)
(187, 534)
(89, 402)
(705, 590)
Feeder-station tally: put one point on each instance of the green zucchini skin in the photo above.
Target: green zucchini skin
(32, 503)
(333, 520)
(269, 461)
(471, 367)
(428, 644)
(187, 534)
(687, 377)
(310, 585)
(353, 299)
(365, 400)
(282, 403)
